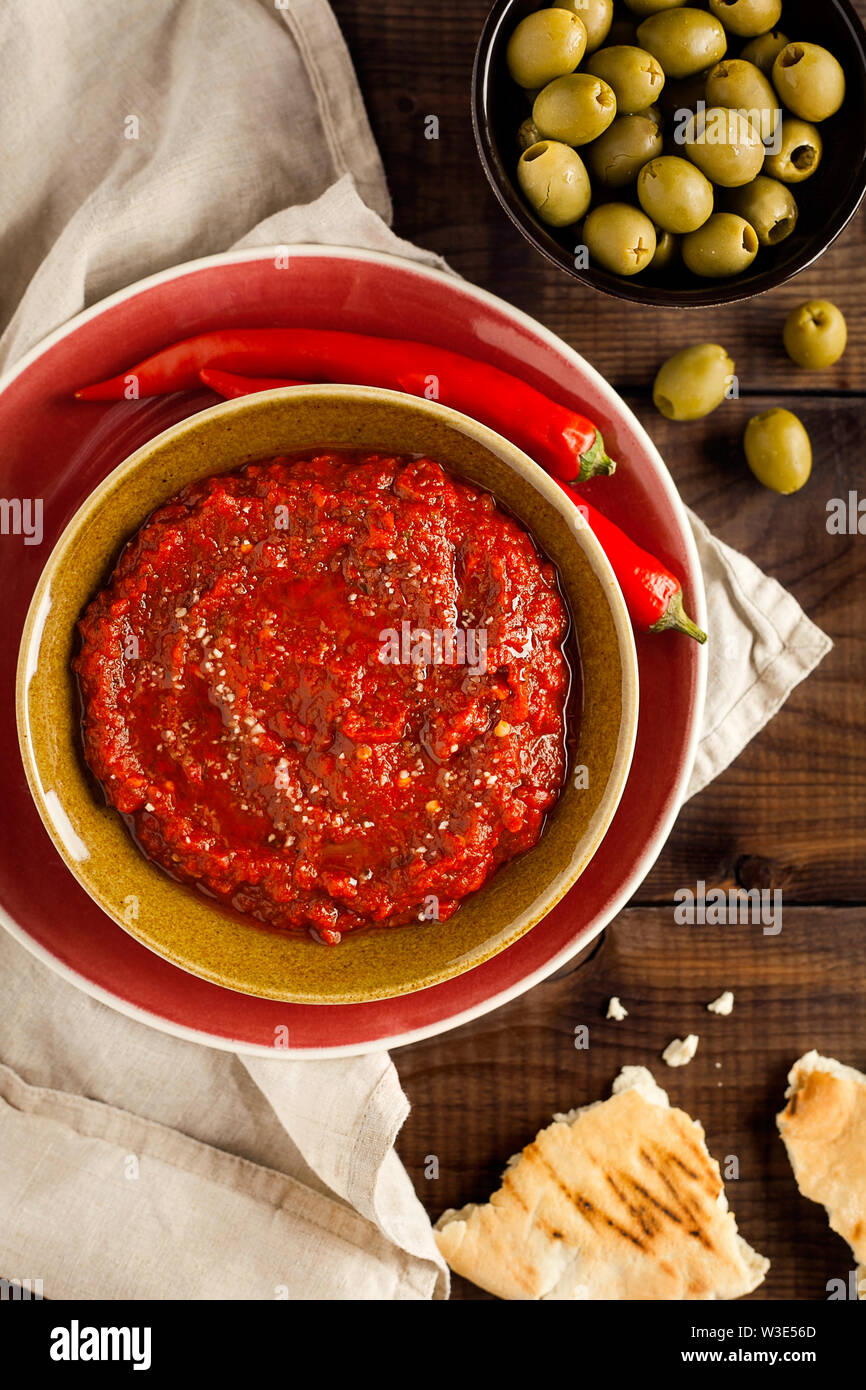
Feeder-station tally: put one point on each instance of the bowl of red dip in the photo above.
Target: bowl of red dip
(327, 694)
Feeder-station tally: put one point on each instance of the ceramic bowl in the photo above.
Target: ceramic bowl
(827, 201)
(184, 926)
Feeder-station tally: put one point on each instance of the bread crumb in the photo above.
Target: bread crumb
(681, 1051)
(640, 1080)
(723, 1005)
(616, 1010)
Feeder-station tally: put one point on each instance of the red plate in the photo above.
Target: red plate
(59, 449)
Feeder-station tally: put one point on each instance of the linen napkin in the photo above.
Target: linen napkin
(134, 1164)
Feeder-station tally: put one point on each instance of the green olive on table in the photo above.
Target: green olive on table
(693, 382)
(799, 152)
(765, 49)
(528, 134)
(617, 157)
(725, 245)
(815, 334)
(620, 238)
(546, 44)
(747, 18)
(554, 180)
(595, 15)
(635, 76)
(667, 250)
(725, 146)
(778, 450)
(575, 109)
(742, 86)
(809, 81)
(768, 206)
(675, 194)
(683, 40)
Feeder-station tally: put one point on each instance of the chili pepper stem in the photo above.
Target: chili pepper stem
(595, 461)
(676, 617)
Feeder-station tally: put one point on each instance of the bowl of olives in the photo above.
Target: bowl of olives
(671, 153)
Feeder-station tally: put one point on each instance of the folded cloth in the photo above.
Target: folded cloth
(134, 1164)
(139, 135)
(762, 646)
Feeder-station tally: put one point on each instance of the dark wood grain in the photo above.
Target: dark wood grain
(482, 1093)
(795, 796)
(790, 812)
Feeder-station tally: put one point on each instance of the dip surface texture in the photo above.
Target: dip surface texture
(274, 693)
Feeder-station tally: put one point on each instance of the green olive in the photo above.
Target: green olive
(675, 194)
(746, 18)
(764, 50)
(620, 238)
(778, 450)
(799, 151)
(667, 250)
(647, 7)
(546, 44)
(528, 134)
(725, 245)
(635, 76)
(815, 334)
(617, 157)
(742, 86)
(769, 207)
(809, 81)
(554, 181)
(574, 109)
(724, 145)
(683, 40)
(693, 382)
(596, 16)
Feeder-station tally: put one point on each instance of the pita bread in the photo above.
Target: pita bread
(824, 1129)
(618, 1200)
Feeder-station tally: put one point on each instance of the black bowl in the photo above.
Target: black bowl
(827, 201)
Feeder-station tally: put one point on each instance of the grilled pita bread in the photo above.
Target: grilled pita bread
(618, 1200)
(824, 1129)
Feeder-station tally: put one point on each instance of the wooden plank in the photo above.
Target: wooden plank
(414, 62)
(794, 797)
(481, 1094)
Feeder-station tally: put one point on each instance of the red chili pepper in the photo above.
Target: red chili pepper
(231, 386)
(653, 595)
(568, 444)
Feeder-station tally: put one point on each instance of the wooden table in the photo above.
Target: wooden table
(789, 813)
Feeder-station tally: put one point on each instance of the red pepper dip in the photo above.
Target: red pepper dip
(330, 691)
